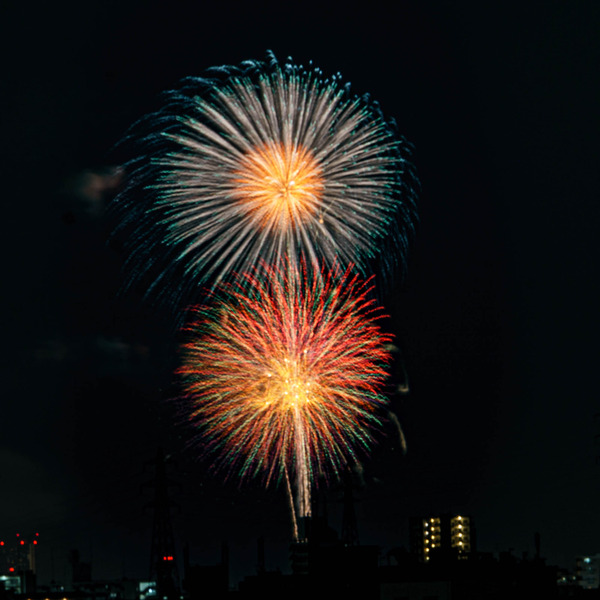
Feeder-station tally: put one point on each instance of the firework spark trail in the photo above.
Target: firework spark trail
(264, 161)
(303, 484)
(290, 496)
(285, 372)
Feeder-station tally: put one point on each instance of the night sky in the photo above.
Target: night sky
(496, 319)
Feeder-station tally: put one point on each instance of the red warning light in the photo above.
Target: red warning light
(11, 569)
(1, 543)
(22, 542)
(35, 542)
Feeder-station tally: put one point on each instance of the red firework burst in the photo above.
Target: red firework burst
(284, 373)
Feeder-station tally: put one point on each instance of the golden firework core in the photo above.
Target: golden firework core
(288, 384)
(280, 183)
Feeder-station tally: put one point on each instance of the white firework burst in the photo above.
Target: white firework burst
(264, 163)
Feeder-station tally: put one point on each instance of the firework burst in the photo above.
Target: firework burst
(265, 161)
(283, 375)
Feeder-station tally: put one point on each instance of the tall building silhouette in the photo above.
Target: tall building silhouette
(163, 567)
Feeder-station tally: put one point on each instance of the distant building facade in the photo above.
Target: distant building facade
(18, 554)
(443, 535)
(588, 571)
(17, 562)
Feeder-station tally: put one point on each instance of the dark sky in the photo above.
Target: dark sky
(497, 318)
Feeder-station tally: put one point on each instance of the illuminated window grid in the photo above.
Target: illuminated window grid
(432, 537)
(460, 535)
